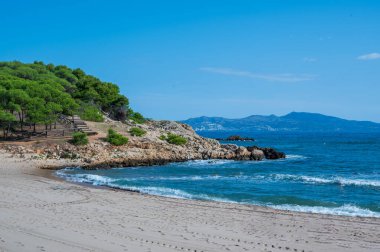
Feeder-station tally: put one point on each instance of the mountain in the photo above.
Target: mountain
(292, 122)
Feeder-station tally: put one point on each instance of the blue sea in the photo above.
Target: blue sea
(323, 173)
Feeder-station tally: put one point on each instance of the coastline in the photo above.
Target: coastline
(42, 213)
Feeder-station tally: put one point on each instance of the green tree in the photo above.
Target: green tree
(6, 120)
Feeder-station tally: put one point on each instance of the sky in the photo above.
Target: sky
(182, 59)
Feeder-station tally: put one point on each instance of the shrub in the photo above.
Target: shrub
(174, 139)
(162, 137)
(90, 113)
(79, 138)
(115, 138)
(137, 132)
(137, 117)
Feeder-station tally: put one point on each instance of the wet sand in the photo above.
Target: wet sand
(38, 213)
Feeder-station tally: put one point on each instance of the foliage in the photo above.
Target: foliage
(137, 132)
(174, 139)
(90, 113)
(115, 138)
(38, 93)
(136, 117)
(6, 119)
(79, 138)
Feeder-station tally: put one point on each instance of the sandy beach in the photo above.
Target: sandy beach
(38, 213)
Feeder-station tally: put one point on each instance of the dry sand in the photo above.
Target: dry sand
(42, 214)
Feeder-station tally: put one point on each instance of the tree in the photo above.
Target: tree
(6, 120)
(18, 102)
(38, 93)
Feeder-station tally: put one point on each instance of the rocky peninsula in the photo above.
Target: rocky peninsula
(149, 149)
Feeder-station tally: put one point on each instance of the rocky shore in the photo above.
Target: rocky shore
(236, 138)
(140, 151)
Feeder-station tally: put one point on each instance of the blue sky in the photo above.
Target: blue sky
(181, 59)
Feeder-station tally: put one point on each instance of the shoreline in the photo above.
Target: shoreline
(56, 215)
(51, 175)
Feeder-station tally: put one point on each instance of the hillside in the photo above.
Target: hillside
(39, 93)
(292, 122)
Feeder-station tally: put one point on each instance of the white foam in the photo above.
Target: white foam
(159, 191)
(87, 178)
(347, 210)
(290, 156)
(209, 162)
(358, 182)
(333, 180)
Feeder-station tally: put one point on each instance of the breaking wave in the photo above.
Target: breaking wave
(334, 180)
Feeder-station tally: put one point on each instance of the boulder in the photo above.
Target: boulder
(243, 154)
(257, 154)
(269, 153)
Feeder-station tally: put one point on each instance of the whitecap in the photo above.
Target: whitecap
(346, 210)
(333, 180)
(293, 156)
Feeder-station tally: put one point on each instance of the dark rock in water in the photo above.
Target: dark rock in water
(269, 153)
(236, 138)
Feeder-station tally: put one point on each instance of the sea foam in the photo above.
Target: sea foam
(333, 180)
(346, 210)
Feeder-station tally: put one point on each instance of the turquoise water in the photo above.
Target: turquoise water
(332, 174)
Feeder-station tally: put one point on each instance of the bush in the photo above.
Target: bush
(174, 139)
(137, 118)
(115, 138)
(137, 132)
(90, 113)
(79, 138)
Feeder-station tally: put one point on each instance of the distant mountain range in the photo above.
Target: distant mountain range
(292, 122)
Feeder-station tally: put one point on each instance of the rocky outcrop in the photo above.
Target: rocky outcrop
(146, 150)
(269, 153)
(236, 138)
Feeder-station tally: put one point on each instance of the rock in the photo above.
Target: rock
(257, 155)
(269, 153)
(232, 147)
(242, 153)
(236, 138)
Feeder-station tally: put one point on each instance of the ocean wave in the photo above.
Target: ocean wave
(159, 191)
(346, 210)
(98, 180)
(334, 180)
(209, 162)
(87, 178)
(290, 156)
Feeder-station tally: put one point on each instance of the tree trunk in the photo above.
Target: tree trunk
(20, 118)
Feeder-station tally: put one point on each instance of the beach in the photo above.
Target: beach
(40, 213)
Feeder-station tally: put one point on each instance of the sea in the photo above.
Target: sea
(334, 173)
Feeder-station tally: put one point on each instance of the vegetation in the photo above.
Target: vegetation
(115, 138)
(39, 93)
(174, 139)
(136, 117)
(79, 138)
(6, 120)
(90, 113)
(137, 132)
